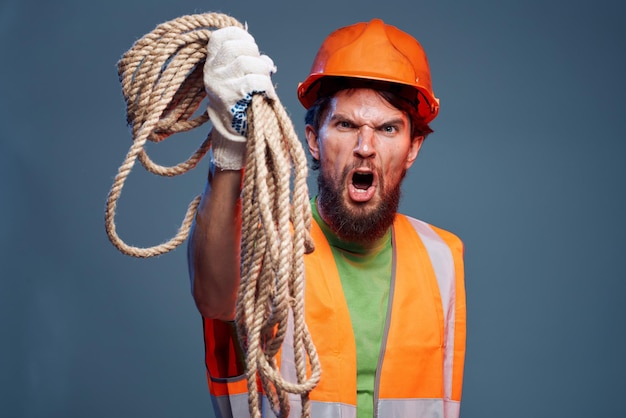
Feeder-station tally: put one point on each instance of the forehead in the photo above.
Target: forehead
(364, 105)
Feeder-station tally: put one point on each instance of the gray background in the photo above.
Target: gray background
(525, 165)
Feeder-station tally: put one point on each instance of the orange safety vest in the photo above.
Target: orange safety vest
(420, 369)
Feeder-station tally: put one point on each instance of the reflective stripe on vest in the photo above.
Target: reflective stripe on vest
(420, 369)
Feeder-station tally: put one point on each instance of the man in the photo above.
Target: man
(395, 282)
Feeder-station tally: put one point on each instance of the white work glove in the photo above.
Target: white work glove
(233, 72)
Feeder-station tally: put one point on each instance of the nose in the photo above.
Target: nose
(365, 142)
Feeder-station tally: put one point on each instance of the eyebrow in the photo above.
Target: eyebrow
(395, 121)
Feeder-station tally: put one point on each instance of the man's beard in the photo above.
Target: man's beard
(357, 224)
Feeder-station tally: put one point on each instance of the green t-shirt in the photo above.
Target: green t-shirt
(365, 275)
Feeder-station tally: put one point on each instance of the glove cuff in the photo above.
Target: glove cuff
(229, 151)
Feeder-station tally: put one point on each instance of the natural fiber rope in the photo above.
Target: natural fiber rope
(162, 83)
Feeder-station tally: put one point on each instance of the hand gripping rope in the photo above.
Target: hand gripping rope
(162, 84)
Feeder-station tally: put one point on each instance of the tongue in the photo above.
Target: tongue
(360, 193)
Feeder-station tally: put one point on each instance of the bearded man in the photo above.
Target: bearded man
(385, 298)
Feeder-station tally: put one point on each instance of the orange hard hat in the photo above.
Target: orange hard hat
(373, 51)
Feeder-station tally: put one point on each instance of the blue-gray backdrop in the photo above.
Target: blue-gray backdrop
(525, 165)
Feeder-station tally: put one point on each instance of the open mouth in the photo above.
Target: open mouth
(362, 181)
(362, 187)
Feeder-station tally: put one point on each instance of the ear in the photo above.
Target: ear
(414, 149)
(311, 139)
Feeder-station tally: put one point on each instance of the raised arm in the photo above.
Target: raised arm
(213, 251)
(234, 71)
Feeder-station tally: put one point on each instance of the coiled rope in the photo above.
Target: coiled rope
(162, 84)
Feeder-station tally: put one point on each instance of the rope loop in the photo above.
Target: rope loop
(162, 84)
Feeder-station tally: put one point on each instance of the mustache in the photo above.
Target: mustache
(363, 163)
(360, 163)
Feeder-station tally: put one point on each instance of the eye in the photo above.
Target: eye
(389, 129)
(344, 126)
